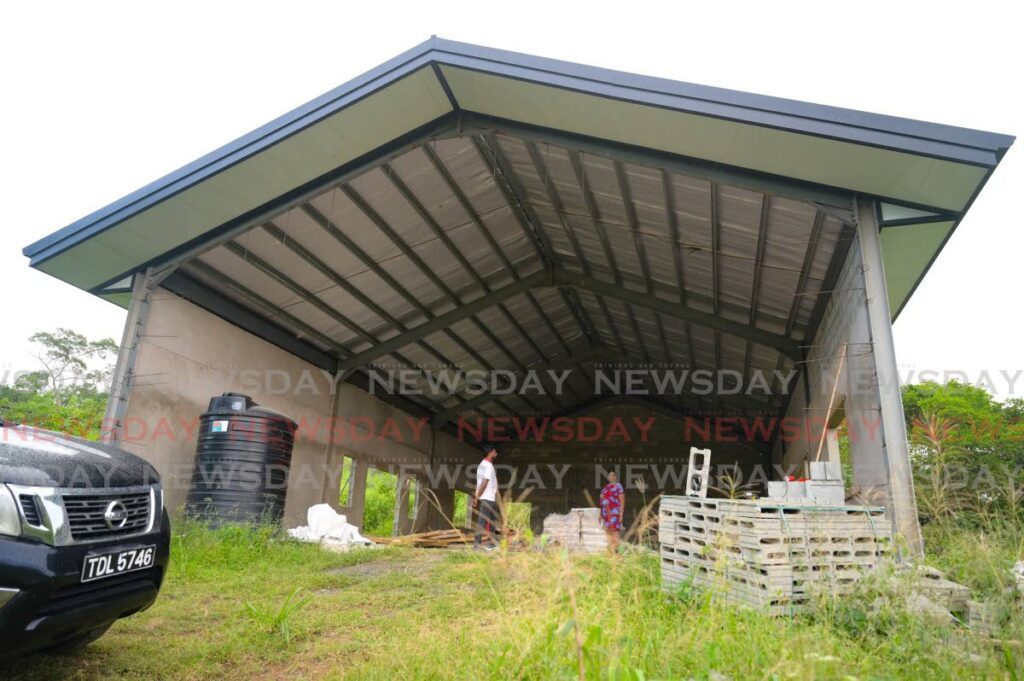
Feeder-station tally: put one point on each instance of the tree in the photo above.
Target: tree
(69, 361)
(968, 448)
(68, 394)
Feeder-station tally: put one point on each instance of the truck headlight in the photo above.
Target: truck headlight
(10, 519)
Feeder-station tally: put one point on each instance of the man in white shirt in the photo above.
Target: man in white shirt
(485, 500)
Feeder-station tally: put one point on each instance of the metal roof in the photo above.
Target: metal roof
(460, 204)
(495, 250)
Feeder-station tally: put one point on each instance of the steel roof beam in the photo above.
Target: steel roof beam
(532, 226)
(634, 227)
(716, 271)
(342, 238)
(475, 218)
(837, 200)
(428, 219)
(677, 257)
(427, 271)
(322, 267)
(810, 253)
(571, 301)
(443, 321)
(474, 403)
(310, 297)
(755, 289)
(721, 324)
(547, 278)
(192, 289)
(393, 236)
(592, 208)
(515, 196)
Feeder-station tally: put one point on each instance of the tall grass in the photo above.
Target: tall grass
(528, 614)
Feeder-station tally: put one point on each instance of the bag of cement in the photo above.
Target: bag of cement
(330, 527)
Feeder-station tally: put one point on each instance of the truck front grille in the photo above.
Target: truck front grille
(86, 514)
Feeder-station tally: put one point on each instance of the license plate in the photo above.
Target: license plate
(117, 562)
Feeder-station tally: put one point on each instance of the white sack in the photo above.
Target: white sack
(328, 526)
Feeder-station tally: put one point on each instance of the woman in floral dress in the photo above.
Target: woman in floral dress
(613, 502)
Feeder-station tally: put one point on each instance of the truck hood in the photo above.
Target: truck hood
(42, 458)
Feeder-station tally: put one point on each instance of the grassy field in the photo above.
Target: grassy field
(242, 604)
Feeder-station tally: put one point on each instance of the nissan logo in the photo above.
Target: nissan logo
(116, 515)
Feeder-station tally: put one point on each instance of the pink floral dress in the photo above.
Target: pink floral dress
(611, 506)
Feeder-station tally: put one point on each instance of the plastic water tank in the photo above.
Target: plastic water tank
(243, 459)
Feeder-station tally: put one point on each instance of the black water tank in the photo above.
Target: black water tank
(242, 462)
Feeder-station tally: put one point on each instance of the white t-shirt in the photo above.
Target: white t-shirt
(485, 471)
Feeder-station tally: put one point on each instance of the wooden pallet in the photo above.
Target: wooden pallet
(436, 539)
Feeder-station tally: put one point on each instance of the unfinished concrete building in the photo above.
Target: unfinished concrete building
(465, 207)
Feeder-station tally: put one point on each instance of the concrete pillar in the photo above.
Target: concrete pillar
(124, 368)
(402, 522)
(434, 508)
(831, 451)
(357, 498)
(892, 428)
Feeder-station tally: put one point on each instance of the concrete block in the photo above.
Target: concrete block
(827, 492)
(770, 555)
(825, 470)
(698, 472)
(578, 530)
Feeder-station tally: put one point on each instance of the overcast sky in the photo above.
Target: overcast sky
(100, 98)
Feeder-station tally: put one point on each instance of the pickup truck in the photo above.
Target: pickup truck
(84, 539)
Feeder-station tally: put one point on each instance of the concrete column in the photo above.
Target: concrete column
(434, 508)
(421, 513)
(893, 431)
(831, 452)
(402, 522)
(357, 499)
(124, 368)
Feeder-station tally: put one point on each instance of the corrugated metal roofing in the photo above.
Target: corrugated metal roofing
(395, 247)
(637, 208)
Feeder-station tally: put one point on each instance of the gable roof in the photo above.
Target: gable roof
(928, 171)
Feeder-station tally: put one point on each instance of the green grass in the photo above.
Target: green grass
(408, 613)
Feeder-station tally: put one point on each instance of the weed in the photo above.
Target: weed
(278, 620)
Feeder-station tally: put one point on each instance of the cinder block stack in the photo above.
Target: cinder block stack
(578, 530)
(766, 554)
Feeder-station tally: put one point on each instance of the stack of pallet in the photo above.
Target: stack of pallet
(436, 539)
(770, 555)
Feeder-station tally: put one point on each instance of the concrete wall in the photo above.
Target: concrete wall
(840, 373)
(188, 355)
(555, 477)
(845, 380)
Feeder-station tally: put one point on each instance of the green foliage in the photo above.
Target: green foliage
(379, 511)
(517, 516)
(968, 452)
(277, 620)
(67, 394)
(461, 509)
(389, 613)
(80, 414)
(978, 428)
(345, 481)
(72, 363)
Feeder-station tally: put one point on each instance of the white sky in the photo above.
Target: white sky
(100, 98)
